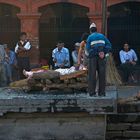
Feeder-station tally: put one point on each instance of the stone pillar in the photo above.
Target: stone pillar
(96, 19)
(30, 25)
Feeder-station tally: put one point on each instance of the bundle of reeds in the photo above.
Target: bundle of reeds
(112, 75)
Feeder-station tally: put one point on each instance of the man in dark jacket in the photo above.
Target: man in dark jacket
(98, 47)
(22, 50)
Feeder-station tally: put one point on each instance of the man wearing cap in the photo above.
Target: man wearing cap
(75, 53)
(98, 47)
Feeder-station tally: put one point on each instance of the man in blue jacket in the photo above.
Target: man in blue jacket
(98, 47)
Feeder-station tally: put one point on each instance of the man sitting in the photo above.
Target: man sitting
(60, 56)
(128, 60)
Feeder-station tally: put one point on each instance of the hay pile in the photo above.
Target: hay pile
(112, 75)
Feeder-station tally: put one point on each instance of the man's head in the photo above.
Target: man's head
(7, 49)
(23, 36)
(93, 28)
(84, 36)
(77, 46)
(60, 45)
(126, 47)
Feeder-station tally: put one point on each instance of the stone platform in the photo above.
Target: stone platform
(54, 116)
(14, 100)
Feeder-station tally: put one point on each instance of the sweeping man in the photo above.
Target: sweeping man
(98, 47)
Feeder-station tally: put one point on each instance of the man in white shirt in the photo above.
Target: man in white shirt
(60, 56)
(22, 50)
(75, 53)
(128, 60)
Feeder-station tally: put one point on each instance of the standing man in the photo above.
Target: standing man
(3, 79)
(10, 63)
(22, 50)
(75, 53)
(98, 46)
(60, 56)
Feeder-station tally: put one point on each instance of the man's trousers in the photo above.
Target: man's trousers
(96, 64)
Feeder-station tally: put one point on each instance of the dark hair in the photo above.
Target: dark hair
(84, 36)
(22, 33)
(127, 44)
(60, 41)
(93, 29)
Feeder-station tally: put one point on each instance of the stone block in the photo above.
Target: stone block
(13, 101)
(131, 134)
(136, 126)
(52, 127)
(119, 126)
(113, 134)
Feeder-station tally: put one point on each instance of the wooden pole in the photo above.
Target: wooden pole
(104, 14)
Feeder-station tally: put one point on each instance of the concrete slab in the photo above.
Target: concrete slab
(16, 100)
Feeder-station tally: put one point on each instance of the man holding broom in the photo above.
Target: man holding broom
(98, 47)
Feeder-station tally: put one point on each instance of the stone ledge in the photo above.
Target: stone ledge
(119, 126)
(131, 134)
(12, 100)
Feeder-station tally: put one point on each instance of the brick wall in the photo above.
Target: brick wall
(123, 127)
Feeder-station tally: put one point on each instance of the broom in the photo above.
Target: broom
(112, 75)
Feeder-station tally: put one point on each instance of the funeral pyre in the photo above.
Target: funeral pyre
(60, 79)
(64, 79)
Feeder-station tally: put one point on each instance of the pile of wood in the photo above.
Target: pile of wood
(52, 80)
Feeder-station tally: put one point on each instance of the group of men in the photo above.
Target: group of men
(12, 63)
(93, 49)
(97, 47)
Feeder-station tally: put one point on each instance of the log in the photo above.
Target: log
(48, 82)
(56, 86)
(78, 86)
(50, 74)
(20, 83)
(72, 81)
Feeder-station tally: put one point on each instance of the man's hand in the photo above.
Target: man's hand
(65, 61)
(77, 66)
(55, 60)
(101, 55)
(21, 48)
(133, 62)
(62, 66)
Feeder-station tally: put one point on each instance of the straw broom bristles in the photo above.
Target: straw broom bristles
(112, 75)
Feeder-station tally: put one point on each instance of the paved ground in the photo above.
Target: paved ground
(123, 92)
(128, 91)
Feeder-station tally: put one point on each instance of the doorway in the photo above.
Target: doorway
(61, 21)
(9, 25)
(124, 26)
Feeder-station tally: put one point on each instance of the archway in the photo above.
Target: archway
(9, 25)
(124, 26)
(61, 21)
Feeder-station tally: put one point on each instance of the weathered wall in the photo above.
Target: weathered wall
(126, 124)
(29, 16)
(123, 127)
(39, 126)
